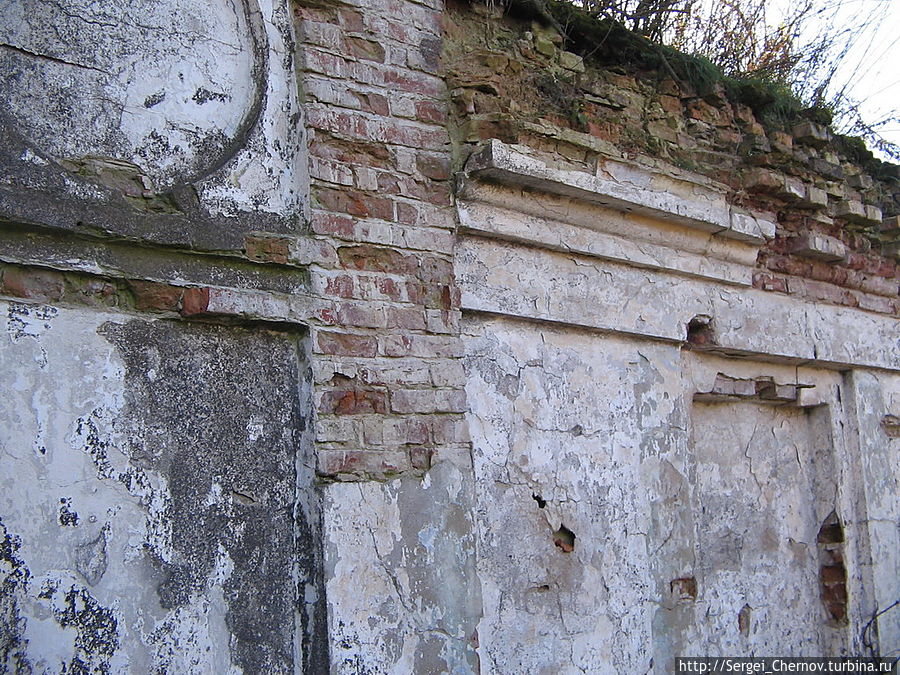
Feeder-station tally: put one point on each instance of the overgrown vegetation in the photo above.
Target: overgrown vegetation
(782, 70)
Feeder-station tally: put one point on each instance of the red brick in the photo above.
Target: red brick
(420, 458)
(431, 112)
(354, 464)
(415, 83)
(33, 284)
(388, 287)
(341, 286)
(346, 344)
(195, 301)
(150, 295)
(354, 401)
(407, 214)
(355, 203)
(373, 103)
(357, 151)
(767, 282)
(377, 259)
(833, 574)
(388, 183)
(434, 167)
(267, 249)
(334, 225)
(368, 50)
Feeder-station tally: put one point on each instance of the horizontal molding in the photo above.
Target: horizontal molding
(501, 278)
(691, 201)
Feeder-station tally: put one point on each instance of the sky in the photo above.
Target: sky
(878, 86)
(871, 69)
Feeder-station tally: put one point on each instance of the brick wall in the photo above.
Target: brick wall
(389, 383)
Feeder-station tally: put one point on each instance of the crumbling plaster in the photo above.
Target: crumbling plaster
(308, 372)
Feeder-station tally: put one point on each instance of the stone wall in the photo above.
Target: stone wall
(373, 337)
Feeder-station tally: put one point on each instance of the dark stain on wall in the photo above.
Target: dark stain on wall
(218, 412)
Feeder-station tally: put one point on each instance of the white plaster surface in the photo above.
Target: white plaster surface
(399, 570)
(684, 512)
(112, 558)
(64, 389)
(185, 91)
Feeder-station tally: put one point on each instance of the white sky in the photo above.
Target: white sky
(878, 84)
(872, 69)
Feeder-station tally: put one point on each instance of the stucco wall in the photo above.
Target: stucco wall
(328, 346)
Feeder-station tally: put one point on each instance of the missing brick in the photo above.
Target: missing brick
(564, 539)
(832, 571)
(744, 617)
(700, 331)
(684, 588)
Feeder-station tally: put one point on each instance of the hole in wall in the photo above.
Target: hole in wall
(541, 502)
(743, 619)
(832, 571)
(700, 331)
(564, 539)
(685, 588)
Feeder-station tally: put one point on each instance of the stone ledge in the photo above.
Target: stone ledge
(699, 204)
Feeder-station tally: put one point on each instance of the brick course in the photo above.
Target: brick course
(388, 382)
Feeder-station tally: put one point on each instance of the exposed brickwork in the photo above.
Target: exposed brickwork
(389, 389)
(517, 81)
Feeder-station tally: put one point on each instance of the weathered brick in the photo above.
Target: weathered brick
(425, 346)
(150, 295)
(336, 429)
(353, 401)
(436, 167)
(448, 373)
(420, 458)
(262, 248)
(407, 318)
(309, 251)
(32, 283)
(437, 241)
(412, 372)
(236, 303)
(330, 172)
(368, 50)
(434, 270)
(443, 321)
(355, 152)
(376, 259)
(357, 464)
(194, 301)
(355, 203)
(361, 314)
(428, 401)
(448, 429)
(432, 112)
(340, 226)
(396, 431)
(346, 344)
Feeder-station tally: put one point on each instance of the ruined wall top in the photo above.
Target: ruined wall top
(581, 99)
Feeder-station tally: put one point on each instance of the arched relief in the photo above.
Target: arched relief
(171, 87)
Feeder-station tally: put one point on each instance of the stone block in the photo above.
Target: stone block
(812, 134)
(819, 247)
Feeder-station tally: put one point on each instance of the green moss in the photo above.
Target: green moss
(607, 43)
(856, 151)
